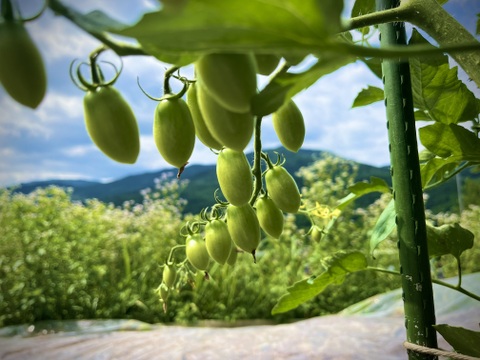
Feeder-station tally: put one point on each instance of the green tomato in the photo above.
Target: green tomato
(169, 275)
(243, 226)
(289, 126)
(201, 129)
(232, 258)
(111, 124)
(164, 292)
(269, 216)
(230, 79)
(196, 252)
(233, 130)
(22, 72)
(218, 240)
(282, 189)
(316, 233)
(234, 176)
(174, 131)
(266, 63)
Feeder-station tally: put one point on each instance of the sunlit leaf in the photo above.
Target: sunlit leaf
(375, 66)
(436, 169)
(368, 96)
(448, 239)
(285, 85)
(337, 268)
(195, 27)
(362, 188)
(363, 7)
(437, 91)
(464, 341)
(384, 226)
(452, 142)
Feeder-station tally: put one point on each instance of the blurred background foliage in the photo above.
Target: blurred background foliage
(63, 259)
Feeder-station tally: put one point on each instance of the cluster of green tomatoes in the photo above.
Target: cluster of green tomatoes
(217, 109)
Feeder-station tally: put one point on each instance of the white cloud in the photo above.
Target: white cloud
(59, 39)
(79, 150)
(17, 120)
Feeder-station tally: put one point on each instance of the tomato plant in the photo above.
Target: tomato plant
(227, 46)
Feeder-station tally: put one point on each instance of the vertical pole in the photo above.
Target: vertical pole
(407, 193)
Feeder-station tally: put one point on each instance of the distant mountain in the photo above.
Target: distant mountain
(203, 182)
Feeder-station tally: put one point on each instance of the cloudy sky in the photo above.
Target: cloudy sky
(51, 142)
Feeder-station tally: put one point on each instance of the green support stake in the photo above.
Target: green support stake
(407, 192)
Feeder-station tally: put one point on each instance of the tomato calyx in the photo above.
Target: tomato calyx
(168, 94)
(97, 76)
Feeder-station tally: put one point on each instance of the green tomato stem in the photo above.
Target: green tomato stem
(121, 48)
(7, 10)
(166, 79)
(172, 250)
(257, 156)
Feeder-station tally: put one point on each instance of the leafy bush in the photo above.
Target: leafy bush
(61, 259)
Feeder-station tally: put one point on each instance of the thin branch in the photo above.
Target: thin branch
(121, 48)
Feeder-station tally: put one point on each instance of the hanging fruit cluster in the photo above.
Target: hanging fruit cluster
(218, 113)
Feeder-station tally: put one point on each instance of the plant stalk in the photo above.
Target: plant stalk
(407, 193)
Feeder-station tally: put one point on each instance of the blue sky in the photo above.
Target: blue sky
(51, 142)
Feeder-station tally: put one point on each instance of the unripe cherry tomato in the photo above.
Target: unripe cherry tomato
(230, 79)
(22, 71)
(282, 189)
(174, 131)
(111, 124)
(234, 176)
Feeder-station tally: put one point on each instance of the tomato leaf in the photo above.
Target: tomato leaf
(363, 7)
(187, 29)
(463, 340)
(284, 86)
(337, 267)
(94, 22)
(383, 227)
(437, 90)
(368, 96)
(448, 239)
(362, 188)
(452, 142)
(436, 169)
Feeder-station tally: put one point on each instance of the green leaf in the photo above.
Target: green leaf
(375, 66)
(421, 115)
(368, 96)
(437, 91)
(285, 85)
(96, 21)
(383, 227)
(191, 28)
(362, 188)
(363, 7)
(452, 142)
(436, 170)
(337, 267)
(448, 239)
(464, 341)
